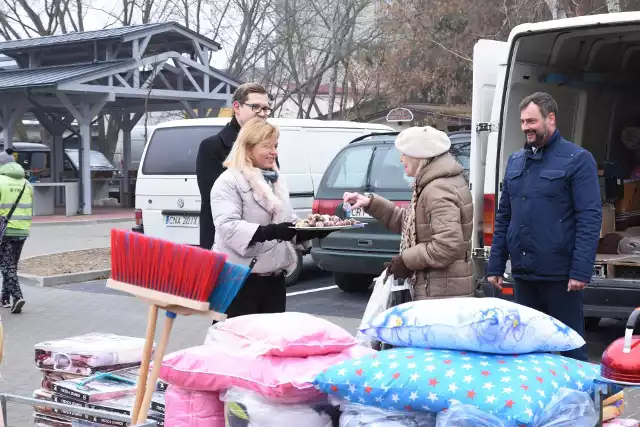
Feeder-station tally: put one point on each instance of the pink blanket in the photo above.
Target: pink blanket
(186, 408)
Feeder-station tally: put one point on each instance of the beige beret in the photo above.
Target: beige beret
(422, 142)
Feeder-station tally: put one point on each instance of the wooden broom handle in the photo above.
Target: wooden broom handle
(157, 364)
(152, 319)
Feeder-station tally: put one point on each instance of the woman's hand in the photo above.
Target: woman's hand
(356, 200)
(282, 232)
(398, 268)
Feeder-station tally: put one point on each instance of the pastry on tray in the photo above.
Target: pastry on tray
(325, 221)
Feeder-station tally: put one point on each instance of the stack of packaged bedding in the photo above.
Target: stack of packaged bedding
(465, 362)
(257, 370)
(73, 373)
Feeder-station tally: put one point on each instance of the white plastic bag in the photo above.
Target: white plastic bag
(568, 408)
(460, 415)
(247, 408)
(354, 415)
(377, 304)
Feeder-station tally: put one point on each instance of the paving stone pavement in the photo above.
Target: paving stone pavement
(55, 313)
(632, 400)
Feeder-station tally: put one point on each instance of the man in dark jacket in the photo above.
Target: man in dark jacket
(548, 219)
(249, 100)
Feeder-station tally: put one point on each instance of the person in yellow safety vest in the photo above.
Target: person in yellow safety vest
(12, 183)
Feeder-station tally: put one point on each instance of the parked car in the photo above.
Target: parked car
(370, 163)
(167, 195)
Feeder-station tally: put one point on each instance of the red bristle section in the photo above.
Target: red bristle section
(181, 270)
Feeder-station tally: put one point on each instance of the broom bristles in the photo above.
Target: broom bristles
(163, 266)
(230, 281)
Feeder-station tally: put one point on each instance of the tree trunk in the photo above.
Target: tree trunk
(613, 6)
(557, 12)
(333, 85)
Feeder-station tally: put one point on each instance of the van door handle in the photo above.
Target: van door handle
(365, 242)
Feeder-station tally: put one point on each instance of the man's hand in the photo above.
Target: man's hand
(496, 281)
(576, 285)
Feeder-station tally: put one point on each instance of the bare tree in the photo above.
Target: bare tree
(433, 41)
(312, 44)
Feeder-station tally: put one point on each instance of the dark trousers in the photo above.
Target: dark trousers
(10, 251)
(260, 294)
(553, 299)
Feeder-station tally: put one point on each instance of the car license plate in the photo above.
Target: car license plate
(181, 221)
(359, 213)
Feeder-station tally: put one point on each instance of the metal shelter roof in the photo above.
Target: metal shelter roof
(90, 46)
(49, 76)
(123, 72)
(152, 67)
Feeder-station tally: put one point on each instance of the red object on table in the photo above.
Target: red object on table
(621, 360)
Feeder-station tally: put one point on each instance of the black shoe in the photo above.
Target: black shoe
(17, 306)
(6, 304)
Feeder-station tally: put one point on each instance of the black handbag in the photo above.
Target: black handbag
(4, 220)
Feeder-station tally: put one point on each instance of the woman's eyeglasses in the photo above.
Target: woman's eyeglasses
(257, 108)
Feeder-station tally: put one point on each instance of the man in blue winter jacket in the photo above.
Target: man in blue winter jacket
(548, 219)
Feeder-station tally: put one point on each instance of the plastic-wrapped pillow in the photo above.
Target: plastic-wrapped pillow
(245, 408)
(186, 408)
(489, 325)
(217, 368)
(460, 415)
(567, 408)
(288, 334)
(515, 388)
(355, 415)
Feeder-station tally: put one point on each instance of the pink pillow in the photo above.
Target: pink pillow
(218, 368)
(287, 334)
(187, 408)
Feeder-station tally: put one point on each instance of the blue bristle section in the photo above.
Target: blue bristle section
(230, 281)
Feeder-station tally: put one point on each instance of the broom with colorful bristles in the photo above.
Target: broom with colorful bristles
(177, 278)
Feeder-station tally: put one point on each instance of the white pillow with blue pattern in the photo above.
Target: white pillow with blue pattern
(487, 325)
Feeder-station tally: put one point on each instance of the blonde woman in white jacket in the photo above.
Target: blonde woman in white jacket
(253, 218)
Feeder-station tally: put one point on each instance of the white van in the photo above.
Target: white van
(589, 65)
(167, 190)
(137, 147)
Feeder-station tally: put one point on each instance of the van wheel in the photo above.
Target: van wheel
(591, 323)
(353, 283)
(293, 277)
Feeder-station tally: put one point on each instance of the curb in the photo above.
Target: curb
(81, 222)
(63, 252)
(61, 279)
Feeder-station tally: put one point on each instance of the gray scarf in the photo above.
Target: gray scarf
(270, 176)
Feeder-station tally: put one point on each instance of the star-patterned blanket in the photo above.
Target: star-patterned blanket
(513, 387)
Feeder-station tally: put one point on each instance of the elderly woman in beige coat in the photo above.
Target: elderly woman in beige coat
(435, 249)
(253, 219)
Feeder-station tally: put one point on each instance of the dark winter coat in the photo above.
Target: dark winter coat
(550, 214)
(212, 153)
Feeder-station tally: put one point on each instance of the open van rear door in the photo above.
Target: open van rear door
(489, 63)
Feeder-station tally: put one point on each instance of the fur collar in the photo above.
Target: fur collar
(271, 200)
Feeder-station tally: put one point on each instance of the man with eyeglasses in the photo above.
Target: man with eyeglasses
(249, 100)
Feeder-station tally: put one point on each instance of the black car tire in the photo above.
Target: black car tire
(591, 323)
(293, 277)
(353, 283)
